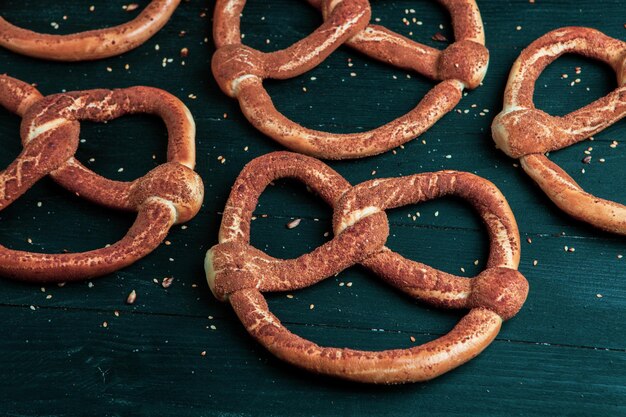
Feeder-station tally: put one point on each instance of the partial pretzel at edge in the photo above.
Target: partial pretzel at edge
(169, 194)
(93, 44)
(525, 132)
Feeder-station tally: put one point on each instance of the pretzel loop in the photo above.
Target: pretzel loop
(522, 131)
(387, 46)
(233, 264)
(239, 273)
(501, 278)
(90, 45)
(240, 71)
(54, 112)
(170, 193)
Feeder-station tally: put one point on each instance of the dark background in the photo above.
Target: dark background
(563, 354)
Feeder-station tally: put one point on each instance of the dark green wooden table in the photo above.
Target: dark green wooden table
(564, 353)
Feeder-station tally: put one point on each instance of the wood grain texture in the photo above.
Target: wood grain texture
(564, 354)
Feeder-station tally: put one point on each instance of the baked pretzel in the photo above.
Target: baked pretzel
(524, 132)
(93, 44)
(240, 71)
(169, 194)
(239, 273)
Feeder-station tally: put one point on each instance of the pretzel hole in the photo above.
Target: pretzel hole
(369, 94)
(79, 19)
(125, 148)
(588, 163)
(447, 235)
(420, 21)
(48, 219)
(560, 90)
(346, 334)
(282, 235)
(262, 29)
(10, 145)
(369, 314)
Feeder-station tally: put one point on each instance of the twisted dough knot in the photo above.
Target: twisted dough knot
(466, 61)
(240, 71)
(239, 273)
(169, 194)
(175, 184)
(527, 131)
(233, 64)
(522, 131)
(93, 44)
(502, 290)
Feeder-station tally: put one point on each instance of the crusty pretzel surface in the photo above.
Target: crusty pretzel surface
(525, 132)
(169, 194)
(90, 45)
(240, 71)
(240, 273)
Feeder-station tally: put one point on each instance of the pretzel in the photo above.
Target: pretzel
(93, 44)
(240, 71)
(239, 273)
(169, 194)
(524, 132)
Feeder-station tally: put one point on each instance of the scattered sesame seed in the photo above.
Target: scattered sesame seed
(293, 224)
(132, 296)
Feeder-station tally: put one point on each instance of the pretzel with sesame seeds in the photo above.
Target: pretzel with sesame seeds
(93, 44)
(239, 273)
(240, 71)
(525, 132)
(169, 194)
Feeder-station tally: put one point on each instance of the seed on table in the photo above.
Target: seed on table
(131, 297)
(293, 224)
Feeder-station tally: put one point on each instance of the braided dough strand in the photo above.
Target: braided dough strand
(240, 273)
(240, 71)
(93, 44)
(169, 194)
(522, 131)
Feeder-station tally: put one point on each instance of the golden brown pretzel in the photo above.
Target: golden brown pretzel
(239, 273)
(524, 132)
(169, 194)
(94, 44)
(240, 71)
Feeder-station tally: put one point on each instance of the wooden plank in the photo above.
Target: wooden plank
(152, 364)
(570, 291)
